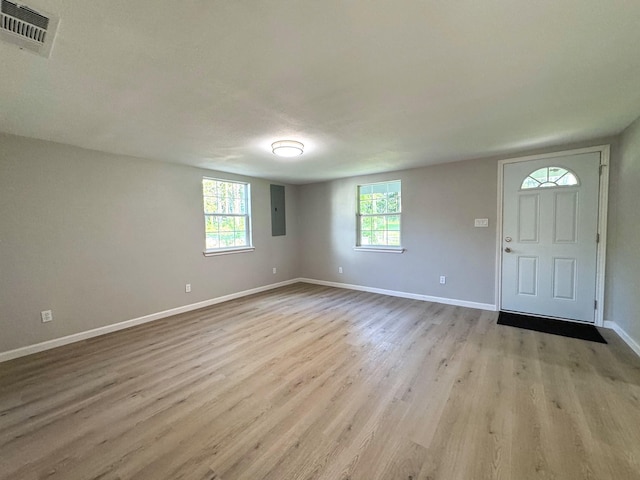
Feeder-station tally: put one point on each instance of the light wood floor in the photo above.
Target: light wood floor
(309, 382)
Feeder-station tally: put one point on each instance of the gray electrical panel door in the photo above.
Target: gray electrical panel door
(278, 223)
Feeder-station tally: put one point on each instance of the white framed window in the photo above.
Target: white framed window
(227, 216)
(379, 216)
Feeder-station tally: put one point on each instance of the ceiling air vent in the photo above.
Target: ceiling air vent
(27, 28)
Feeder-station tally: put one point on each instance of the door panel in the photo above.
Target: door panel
(528, 213)
(566, 217)
(527, 276)
(549, 236)
(564, 278)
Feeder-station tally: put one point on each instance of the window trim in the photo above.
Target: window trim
(212, 252)
(227, 251)
(377, 248)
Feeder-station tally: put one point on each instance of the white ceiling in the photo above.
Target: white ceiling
(367, 86)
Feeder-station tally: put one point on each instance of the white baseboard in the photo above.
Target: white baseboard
(76, 337)
(623, 335)
(394, 293)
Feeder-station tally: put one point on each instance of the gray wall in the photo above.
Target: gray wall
(100, 238)
(623, 260)
(439, 204)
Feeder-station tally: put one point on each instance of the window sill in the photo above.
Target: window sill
(380, 249)
(227, 251)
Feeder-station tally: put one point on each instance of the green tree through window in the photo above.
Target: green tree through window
(379, 212)
(226, 214)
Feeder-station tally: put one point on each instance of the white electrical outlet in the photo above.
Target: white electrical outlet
(46, 315)
(339, 269)
(187, 288)
(275, 270)
(481, 222)
(443, 279)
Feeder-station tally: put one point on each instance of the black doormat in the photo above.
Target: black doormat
(548, 325)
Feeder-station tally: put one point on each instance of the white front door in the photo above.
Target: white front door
(549, 243)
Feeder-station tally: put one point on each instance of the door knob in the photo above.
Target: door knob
(508, 250)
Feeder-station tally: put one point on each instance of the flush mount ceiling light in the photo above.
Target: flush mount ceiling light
(287, 148)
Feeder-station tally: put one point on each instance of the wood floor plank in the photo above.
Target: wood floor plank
(317, 383)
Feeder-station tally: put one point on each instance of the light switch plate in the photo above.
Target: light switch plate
(481, 222)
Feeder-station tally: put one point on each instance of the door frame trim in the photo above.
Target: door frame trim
(603, 200)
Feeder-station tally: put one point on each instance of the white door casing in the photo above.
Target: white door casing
(548, 249)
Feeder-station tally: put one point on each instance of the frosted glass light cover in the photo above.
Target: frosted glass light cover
(287, 148)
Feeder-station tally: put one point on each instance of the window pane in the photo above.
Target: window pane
(221, 205)
(379, 238)
(393, 187)
(209, 188)
(226, 239)
(227, 224)
(366, 238)
(393, 203)
(366, 207)
(210, 205)
(379, 188)
(378, 223)
(365, 189)
(540, 175)
(236, 205)
(393, 223)
(568, 179)
(394, 238)
(380, 205)
(366, 223)
(555, 173)
(240, 239)
(211, 224)
(213, 241)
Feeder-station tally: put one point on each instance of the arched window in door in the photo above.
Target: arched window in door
(550, 177)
